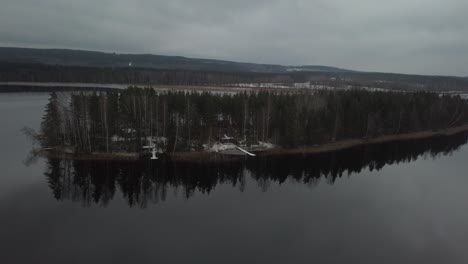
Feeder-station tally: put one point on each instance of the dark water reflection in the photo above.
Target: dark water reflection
(391, 203)
(142, 182)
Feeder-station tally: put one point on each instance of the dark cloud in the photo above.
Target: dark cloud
(413, 36)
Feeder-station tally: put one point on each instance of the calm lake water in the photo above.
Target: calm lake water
(389, 203)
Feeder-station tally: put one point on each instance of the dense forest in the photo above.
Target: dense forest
(38, 89)
(123, 121)
(12, 72)
(143, 182)
(102, 59)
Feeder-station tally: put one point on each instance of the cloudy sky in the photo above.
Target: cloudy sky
(408, 36)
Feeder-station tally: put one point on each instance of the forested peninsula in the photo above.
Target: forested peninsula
(189, 125)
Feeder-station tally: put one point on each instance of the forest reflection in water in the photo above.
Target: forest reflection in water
(142, 182)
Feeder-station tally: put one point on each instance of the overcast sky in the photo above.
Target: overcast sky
(408, 36)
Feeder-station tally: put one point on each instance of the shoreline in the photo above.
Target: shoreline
(200, 156)
(351, 143)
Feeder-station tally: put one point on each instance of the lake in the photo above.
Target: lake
(391, 203)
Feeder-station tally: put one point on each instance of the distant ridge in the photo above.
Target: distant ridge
(80, 66)
(69, 57)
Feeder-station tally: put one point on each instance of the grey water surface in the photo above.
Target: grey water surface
(392, 203)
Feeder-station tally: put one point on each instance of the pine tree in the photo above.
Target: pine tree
(51, 124)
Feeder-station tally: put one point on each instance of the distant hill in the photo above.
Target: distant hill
(78, 66)
(101, 59)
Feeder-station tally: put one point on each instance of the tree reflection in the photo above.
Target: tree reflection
(141, 182)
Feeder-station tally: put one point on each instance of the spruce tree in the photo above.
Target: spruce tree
(51, 124)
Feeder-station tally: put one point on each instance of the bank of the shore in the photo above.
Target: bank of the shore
(350, 143)
(200, 156)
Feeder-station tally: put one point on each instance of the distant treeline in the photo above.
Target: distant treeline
(122, 120)
(143, 182)
(130, 75)
(11, 72)
(32, 88)
(102, 59)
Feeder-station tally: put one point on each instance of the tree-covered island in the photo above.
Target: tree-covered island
(121, 123)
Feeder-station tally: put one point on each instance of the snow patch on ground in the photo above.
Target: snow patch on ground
(266, 145)
(217, 147)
